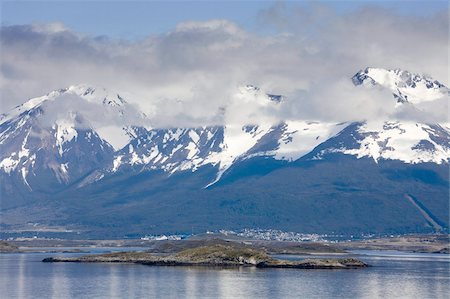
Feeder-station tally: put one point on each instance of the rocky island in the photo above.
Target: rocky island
(216, 255)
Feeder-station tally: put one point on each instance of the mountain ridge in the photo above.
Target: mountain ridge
(46, 153)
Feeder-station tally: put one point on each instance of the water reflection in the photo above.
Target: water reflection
(59, 282)
(21, 279)
(24, 276)
(192, 282)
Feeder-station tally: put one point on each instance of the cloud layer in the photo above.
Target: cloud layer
(190, 75)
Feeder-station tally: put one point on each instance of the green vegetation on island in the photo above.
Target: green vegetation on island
(215, 255)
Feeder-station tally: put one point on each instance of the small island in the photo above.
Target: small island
(216, 256)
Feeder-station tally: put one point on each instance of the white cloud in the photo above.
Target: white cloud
(190, 75)
(55, 27)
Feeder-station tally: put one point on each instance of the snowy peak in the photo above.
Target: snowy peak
(255, 93)
(82, 92)
(38, 154)
(82, 107)
(64, 134)
(405, 86)
(92, 94)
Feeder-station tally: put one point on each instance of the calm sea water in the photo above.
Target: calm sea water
(393, 275)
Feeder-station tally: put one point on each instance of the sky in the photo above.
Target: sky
(137, 19)
(129, 20)
(183, 60)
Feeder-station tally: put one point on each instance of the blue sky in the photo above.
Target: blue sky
(136, 19)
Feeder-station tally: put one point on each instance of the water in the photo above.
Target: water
(393, 275)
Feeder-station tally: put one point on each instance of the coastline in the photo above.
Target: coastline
(407, 243)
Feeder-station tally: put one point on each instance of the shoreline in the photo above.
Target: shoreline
(438, 244)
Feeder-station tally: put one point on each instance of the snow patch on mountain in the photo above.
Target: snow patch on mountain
(117, 136)
(300, 137)
(238, 140)
(10, 163)
(64, 132)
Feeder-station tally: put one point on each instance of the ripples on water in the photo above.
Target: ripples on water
(393, 275)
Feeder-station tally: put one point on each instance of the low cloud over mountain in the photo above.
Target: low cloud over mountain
(191, 75)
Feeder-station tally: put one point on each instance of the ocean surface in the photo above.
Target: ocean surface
(393, 275)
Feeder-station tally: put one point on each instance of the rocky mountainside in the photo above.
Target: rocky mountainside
(95, 146)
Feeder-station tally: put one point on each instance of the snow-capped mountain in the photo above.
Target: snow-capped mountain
(406, 141)
(60, 135)
(90, 150)
(54, 139)
(181, 149)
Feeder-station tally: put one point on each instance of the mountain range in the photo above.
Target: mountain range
(85, 159)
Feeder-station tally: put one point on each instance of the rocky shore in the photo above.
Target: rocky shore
(438, 243)
(217, 255)
(6, 247)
